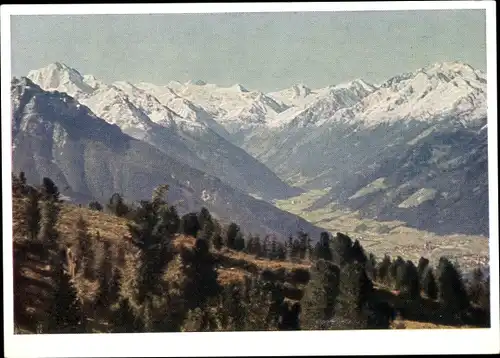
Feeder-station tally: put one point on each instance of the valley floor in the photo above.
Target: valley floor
(391, 237)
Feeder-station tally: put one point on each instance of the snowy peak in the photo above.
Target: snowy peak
(60, 77)
(238, 88)
(433, 92)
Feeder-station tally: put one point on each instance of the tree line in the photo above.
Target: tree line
(147, 284)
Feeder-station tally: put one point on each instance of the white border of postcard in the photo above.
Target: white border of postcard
(459, 341)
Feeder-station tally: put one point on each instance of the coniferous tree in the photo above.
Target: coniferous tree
(429, 284)
(32, 215)
(303, 239)
(217, 240)
(199, 270)
(265, 247)
(323, 250)
(258, 252)
(355, 289)
(296, 248)
(151, 251)
(289, 248)
(408, 280)
(319, 299)
(86, 252)
(452, 292)
(394, 269)
(117, 206)
(49, 190)
(281, 252)
(95, 205)
(371, 267)
(422, 266)
(65, 312)
(204, 216)
(357, 253)
(232, 233)
(190, 224)
(341, 249)
(239, 242)
(383, 269)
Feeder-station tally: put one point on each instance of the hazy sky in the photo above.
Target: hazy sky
(263, 51)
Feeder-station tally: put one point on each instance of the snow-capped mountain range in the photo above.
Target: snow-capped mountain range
(340, 136)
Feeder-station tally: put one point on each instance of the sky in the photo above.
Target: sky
(261, 51)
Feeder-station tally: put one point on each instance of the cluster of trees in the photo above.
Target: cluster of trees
(145, 283)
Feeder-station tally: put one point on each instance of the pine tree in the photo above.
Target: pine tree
(85, 248)
(422, 266)
(199, 270)
(65, 313)
(117, 206)
(258, 252)
(49, 190)
(95, 205)
(320, 295)
(239, 242)
(151, 251)
(323, 250)
(371, 267)
(384, 268)
(190, 225)
(408, 280)
(452, 292)
(357, 253)
(354, 292)
(429, 284)
(394, 269)
(32, 215)
(341, 249)
(232, 233)
(48, 234)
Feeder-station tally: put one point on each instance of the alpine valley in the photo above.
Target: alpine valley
(411, 149)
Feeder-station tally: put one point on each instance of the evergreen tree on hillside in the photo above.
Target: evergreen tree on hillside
(142, 279)
(341, 249)
(304, 241)
(479, 289)
(394, 269)
(408, 280)
(190, 225)
(422, 266)
(281, 252)
(257, 246)
(371, 267)
(48, 234)
(355, 290)
(204, 216)
(319, 299)
(296, 248)
(383, 268)
(239, 242)
(357, 253)
(49, 191)
(452, 292)
(19, 186)
(95, 205)
(117, 206)
(65, 313)
(200, 283)
(429, 285)
(323, 250)
(232, 233)
(32, 215)
(85, 246)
